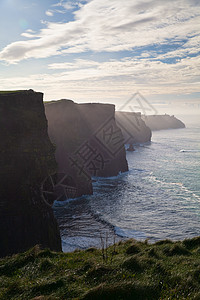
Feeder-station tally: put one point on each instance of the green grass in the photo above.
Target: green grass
(13, 92)
(8, 92)
(133, 270)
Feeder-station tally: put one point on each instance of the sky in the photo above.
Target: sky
(104, 51)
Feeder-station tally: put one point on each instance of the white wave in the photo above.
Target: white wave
(72, 243)
(178, 184)
(110, 177)
(145, 144)
(64, 202)
(130, 233)
(99, 183)
(139, 170)
(192, 150)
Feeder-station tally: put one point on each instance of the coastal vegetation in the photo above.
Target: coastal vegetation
(12, 92)
(126, 270)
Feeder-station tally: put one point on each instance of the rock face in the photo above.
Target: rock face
(134, 129)
(26, 159)
(88, 143)
(159, 122)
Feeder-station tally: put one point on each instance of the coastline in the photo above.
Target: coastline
(140, 176)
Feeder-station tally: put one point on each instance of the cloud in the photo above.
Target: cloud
(30, 31)
(145, 71)
(27, 35)
(68, 5)
(130, 25)
(89, 80)
(79, 63)
(110, 26)
(49, 13)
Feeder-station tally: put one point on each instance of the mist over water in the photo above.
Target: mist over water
(158, 198)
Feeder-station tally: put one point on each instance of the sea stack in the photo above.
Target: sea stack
(27, 158)
(88, 141)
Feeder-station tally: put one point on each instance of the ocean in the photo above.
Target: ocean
(159, 198)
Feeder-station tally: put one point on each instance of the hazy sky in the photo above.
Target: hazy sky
(103, 50)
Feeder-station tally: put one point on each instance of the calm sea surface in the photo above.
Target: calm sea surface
(158, 198)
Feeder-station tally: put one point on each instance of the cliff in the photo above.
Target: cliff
(159, 122)
(134, 129)
(26, 159)
(88, 142)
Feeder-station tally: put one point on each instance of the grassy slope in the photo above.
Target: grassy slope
(133, 270)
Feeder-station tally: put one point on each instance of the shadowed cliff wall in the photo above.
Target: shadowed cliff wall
(134, 129)
(26, 159)
(88, 142)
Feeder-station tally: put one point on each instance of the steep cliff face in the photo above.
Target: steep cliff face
(88, 142)
(158, 122)
(26, 159)
(134, 129)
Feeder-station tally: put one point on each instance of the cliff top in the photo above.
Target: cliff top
(128, 112)
(70, 102)
(17, 92)
(159, 122)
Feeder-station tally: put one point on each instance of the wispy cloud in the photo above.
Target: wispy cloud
(112, 25)
(49, 13)
(68, 5)
(144, 71)
(88, 80)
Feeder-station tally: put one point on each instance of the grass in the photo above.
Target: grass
(12, 92)
(8, 92)
(132, 270)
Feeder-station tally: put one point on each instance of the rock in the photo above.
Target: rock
(26, 159)
(134, 129)
(88, 142)
(159, 122)
(131, 148)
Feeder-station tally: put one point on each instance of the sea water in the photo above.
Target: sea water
(159, 198)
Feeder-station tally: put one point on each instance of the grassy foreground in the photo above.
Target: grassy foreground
(129, 270)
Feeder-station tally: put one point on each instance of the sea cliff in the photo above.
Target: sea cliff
(26, 159)
(88, 142)
(134, 129)
(159, 122)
